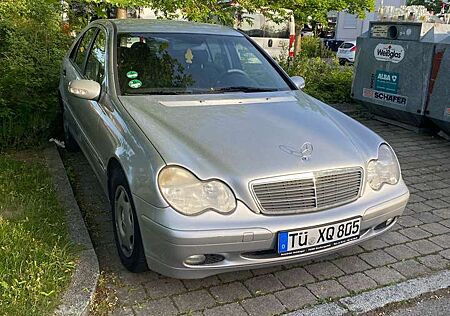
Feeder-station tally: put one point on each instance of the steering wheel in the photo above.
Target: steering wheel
(236, 71)
(233, 72)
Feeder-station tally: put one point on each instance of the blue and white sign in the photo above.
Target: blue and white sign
(295, 242)
(389, 52)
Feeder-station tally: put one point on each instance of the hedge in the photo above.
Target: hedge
(32, 46)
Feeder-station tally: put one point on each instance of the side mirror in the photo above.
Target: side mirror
(85, 89)
(298, 81)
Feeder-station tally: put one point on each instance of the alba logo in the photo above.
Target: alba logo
(389, 52)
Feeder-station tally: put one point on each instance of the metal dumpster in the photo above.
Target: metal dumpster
(438, 109)
(393, 68)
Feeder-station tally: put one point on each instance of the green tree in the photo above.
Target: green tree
(210, 11)
(431, 5)
(317, 11)
(223, 12)
(217, 11)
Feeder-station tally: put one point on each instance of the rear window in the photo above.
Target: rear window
(347, 45)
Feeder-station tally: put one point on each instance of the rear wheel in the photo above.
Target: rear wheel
(342, 61)
(126, 227)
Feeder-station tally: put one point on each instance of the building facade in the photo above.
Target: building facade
(349, 26)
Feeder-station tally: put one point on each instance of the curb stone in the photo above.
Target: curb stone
(377, 298)
(328, 309)
(77, 297)
(396, 293)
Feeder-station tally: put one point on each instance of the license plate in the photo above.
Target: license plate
(312, 239)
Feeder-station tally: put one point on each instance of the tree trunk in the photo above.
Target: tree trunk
(121, 13)
(298, 40)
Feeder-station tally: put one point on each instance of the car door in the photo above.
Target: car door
(73, 69)
(96, 70)
(87, 62)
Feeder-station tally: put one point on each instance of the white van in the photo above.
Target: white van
(274, 36)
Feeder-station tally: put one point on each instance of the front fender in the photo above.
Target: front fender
(138, 158)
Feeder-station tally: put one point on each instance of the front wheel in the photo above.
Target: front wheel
(126, 227)
(69, 141)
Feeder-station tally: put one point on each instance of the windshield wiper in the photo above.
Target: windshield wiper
(244, 89)
(158, 92)
(165, 92)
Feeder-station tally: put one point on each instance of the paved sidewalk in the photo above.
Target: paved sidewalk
(418, 245)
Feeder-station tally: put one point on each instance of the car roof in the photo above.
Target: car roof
(168, 26)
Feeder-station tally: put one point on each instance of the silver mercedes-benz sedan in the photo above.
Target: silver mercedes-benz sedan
(213, 159)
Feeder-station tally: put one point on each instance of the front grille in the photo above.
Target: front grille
(308, 191)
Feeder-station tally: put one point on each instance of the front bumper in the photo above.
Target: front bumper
(249, 246)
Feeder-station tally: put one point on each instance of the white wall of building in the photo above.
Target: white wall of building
(349, 27)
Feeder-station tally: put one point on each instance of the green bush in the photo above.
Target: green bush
(312, 46)
(31, 49)
(325, 79)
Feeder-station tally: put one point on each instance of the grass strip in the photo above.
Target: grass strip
(36, 256)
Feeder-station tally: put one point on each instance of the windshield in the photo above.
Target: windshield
(177, 63)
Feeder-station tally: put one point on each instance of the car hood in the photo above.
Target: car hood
(242, 137)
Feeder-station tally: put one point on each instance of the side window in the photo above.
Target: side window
(83, 47)
(95, 67)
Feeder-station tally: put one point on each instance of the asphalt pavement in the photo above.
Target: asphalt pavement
(431, 307)
(432, 304)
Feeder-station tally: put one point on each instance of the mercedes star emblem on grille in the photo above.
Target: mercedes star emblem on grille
(304, 152)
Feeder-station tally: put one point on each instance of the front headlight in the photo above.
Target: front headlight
(385, 169)
(190, 196)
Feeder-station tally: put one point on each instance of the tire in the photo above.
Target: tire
(342, 61)
(69, 142)
(127, 233)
